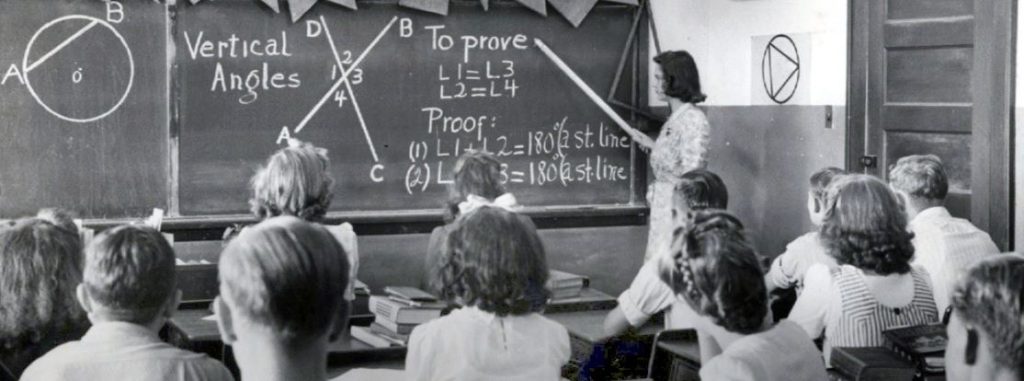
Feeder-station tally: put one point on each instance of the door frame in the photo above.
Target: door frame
(992, 82)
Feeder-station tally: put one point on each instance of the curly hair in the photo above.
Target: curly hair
(990, 296)
(920, 176)
(716, 270)
(476, 173)
(295, 182)
(40, 266)
(865, 227)
(493, 259)
(680, 78)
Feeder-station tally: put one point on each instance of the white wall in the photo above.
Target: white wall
(718, 34)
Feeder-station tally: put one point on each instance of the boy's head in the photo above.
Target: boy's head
(818, 193)
(698, 189)
(494, 260)
(986, 328)
(295, 182)
(40, 265)
(920, 180)
(716, 270)
(129, 276)
(283, 279)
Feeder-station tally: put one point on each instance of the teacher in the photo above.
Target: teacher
(682, 144)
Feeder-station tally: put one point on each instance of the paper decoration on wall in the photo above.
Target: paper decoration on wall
(779, 69)
(273, 4)
(433, 6)
(485, 4)
(574, 10)
(627, 2)
(194, 1)
(350, 4)
(299, 8)
(538, 6)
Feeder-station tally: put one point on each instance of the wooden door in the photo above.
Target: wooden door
(926, 77)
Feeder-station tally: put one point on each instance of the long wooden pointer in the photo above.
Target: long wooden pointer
(634, 133)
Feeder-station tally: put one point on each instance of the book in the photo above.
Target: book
(401, 329)
(436, 305)
(400, 313)
(871, 363)
(372, 339)
(410, 293)
(384, 331)
(562, 279)
(924, 345)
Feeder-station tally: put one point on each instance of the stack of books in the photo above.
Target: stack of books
(924, 345)
(871, 363)
(565, 285)
(396, 314)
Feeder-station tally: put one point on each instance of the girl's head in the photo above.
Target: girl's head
(679, 77)
(698, 189)
(40, 266)
(818, 192)
(865, 227)
(715, 269)
(476, 173)
(494, 260)
(294, 182)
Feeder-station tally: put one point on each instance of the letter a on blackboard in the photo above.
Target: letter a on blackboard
(539, 6)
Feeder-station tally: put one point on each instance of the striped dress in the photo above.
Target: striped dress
(863, 318)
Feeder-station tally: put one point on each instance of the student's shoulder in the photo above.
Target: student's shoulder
(808, 241)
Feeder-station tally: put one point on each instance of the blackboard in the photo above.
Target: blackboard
(132, 105)
(83, 107)
(560, 149)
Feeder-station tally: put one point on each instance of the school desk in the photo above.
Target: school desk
(593, 357)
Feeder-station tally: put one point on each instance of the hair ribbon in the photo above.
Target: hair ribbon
(473, 202)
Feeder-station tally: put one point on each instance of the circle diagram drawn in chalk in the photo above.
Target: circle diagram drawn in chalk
(67, 77)
(780, 68)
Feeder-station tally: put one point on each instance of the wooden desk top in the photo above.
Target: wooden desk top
(687, 349)
(589, 325)
(589, 299)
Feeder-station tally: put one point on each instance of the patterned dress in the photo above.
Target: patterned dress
(681, 147)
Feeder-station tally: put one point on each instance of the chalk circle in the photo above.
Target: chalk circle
(26, 68)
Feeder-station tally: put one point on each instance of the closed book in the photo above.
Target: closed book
(418, 304)
(381, 330)
(367, 336)
(566, 293)
(401, 329)
(562, 279)
(387, 309)
(410, 293)
(924, 345)
(871, 363)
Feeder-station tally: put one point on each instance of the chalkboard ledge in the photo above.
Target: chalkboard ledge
(201, 228)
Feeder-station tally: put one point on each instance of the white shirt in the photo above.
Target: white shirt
(783, 352)
(946, 246)
(789, 268)
(346, 236)
(471, 344)
(123, 351)
(648, 295)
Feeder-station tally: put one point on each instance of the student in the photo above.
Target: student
(282, 299)
(945, 245)
(494, 265)
(296, 182)
(715, 270)
(788, 269)
(875, 288)
(60, 217)
(40, 265)
(699, 189)
(984, 325)
(476, 182)
(128, 291)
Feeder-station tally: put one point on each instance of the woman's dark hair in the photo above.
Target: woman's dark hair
(493, 259)
(716, 270)
(40, 266)
(476, 173)
(865, 227)
(702, 189)
(680, 78)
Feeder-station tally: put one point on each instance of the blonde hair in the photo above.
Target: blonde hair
(295, 182)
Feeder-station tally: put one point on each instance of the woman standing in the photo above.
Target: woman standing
(682, 144)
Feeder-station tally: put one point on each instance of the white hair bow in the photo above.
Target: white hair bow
(506, 201)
